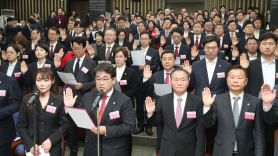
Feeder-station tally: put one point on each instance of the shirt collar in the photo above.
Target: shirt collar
(110, 92)
(184, 96)
(54, 44)
(81, 59)
(179, 45)
(13, 64)
(121, 68)
(240, 95)
(111, 46)
(264, 61)
(213, 61)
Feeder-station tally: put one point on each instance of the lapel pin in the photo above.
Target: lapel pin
(114, 102)
(51, 103)
(219, 65)
(0, 82)
(248, 104)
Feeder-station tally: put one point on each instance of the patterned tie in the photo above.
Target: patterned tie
(178, 113)
(167, 78)
(176, 51)
(236, 115)
(108, 53)
(197, 42)
(76, 69)
(102, 108)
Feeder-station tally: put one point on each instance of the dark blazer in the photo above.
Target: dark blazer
(9, 104)
(11, 33)
(255, 77)
(16, 75)
(26, 31)
(185, 139)
(28, 56)
(115, 142)
(102, 51)
(49, 125)
(56, 49)
(200, 47)
(125, 44)
(49, 22)
(227, 132)
(153, 62)
(130, 77)
(199, 77)
(184, 52)
(87, 79)
(148, 86)
(225, 15)
(226, 47)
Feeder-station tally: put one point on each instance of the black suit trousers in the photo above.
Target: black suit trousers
(140, 110)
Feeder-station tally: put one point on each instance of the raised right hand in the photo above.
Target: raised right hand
(69, 100)
(57, 61)
(244, 62)
(23, 67)
(207, 98)
(147, 73)
(150, 105)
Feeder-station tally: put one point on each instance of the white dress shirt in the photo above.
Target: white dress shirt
(269, 72)
(252, 57)
(80, 62)
(257, 35)
(210, 68)
(221, 40)
(11, 69)
(40, 65)
(120, 72)
(185, 34)
(239, 102)
(183, 97)
(121, 43)
(145, 50)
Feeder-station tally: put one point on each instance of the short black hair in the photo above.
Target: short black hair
(121, 18)
(31, 21)
(237, 67)
(247, 22)
(14, 46)
(168, 52)
(251, 38)
(180, 69)
(55, 29)
(231, 21)
(198, 23)
(146, 32)
(77, 23)
(107, 68)
(186, 21)
(43, 46)
(177, 30)
(100, 33)
(266, 36)
(79, 40)
(211, 38)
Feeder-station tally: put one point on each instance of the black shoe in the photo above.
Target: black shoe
(149, 131)
(138, 130)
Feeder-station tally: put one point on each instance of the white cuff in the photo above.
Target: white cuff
(267, 109)
(205, 110)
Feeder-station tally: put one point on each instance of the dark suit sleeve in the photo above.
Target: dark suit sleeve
(200, 132)
(128, 124)
(259, 128)
(271, 117)
(91, 84)
(155, 61)
(56, 136)
(13, 92)
(210, 118)
(133, 84)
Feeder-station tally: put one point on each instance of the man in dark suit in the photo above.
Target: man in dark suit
(27, 29)
(82, 68)
(105, 53)
(116, 117)
(197, 37)
(225, 42)
(55, 47)
(238, 115)
(181, 50)
(263, 71)
(211, 71)
(179, 114)
(50, 20)
(152, 60)
(11, 30)
(9, 104)
(222, 13)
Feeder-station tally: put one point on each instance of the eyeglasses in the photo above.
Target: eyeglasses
(211, 48)
(10, 52)
(102, 79)
(77, 49)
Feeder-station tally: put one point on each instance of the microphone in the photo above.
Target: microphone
(33, 97)
(97, 99)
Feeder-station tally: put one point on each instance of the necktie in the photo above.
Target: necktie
(76, 67)
(197, 42)
(178, 113)
(167, 78)
(167, 33)
(232, 36)
(102, 107)
(236, 115)
(108, 53)
(51, 51)
(176, 51)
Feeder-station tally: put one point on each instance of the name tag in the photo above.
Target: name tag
(2, 92)
(226, 46)
(178, 61)
(249, 116)
(123, 82)
(84, 70)
(148, 58)
(221, 75)
(18, 74)
(191, 115)
(114, 115)
(47, 65)
(183, 57)
(25, 57)
(276, 75)
(50, 109)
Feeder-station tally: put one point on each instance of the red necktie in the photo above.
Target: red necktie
(197, 42)
(167, 78)
(51, 50)
(178, 113)
(176, 51)
(108, 53)
(102, 108)
(167, 33)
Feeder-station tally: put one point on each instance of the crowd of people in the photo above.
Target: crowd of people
(221, 65)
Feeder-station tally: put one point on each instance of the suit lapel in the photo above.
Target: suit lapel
(170, 107)
(244, 108)
(205, 72)
(276, 69)
(217, 69)
(124, 76)
(228, 108)
(260, 71)
(187, 106)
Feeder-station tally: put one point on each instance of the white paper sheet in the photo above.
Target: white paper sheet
(138, 57)
(41, 151)
(81, 117)
(67, 78)
(162, 89)
(100, 62)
